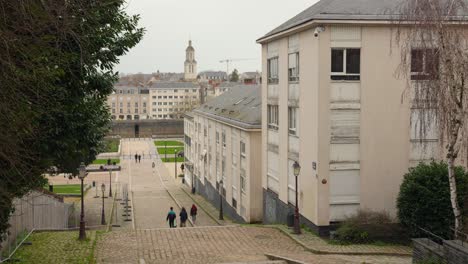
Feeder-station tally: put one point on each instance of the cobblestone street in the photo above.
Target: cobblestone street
(225, 244)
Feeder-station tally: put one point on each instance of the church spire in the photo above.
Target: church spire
(190, 63)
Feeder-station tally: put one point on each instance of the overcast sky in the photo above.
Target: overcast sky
(219, 29)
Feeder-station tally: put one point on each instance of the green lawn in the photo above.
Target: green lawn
(168, 143)
(169, 151)
(104, 161)
(67, 189)
(172, 159)
(57, 247)
(110, 145)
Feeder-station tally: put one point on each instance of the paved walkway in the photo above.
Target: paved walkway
(151, 190)
(214, 245)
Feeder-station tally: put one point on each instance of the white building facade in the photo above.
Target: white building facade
(222, 151)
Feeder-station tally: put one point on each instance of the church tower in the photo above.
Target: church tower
(190, 63)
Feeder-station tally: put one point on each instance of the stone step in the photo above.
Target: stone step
(261, 262)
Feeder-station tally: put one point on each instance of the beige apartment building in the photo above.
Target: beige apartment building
(170, 100)
(129, 103)
(223, 152)
(331, 102)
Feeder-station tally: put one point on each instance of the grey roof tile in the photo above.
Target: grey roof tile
(241, 106)
(349, 10)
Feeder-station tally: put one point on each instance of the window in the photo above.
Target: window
(154, 97)
(176, 97)
(194, 90)
(234, 203)
(424, 64)
(121, 110)
(292, 120)
(121, 104)
(217, 137)
(293, 68)
(128, 104)
(164, 97)
(242, 149)
(242, 180)
(272, 68)
(346, 64)
(170, 96)
(175, 91)
(113, 110)
(165, 103)
(223, 137)
(144, 104)
(113, 104)
(205, 132)
(159, 97)
(273, 117)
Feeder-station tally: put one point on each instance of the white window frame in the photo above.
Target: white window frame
(344, 73)
(273, 70)
(292, 120)
(293, 70)
(273, 115)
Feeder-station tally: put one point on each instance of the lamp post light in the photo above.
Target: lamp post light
(110, 181)
(221, 215)
(297, 170)
(81, 176)
(103, 215)
(175, 164)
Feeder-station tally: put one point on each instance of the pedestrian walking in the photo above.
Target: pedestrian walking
(193, 213)
(183, 217)
(171, 217)
(139, 158)
(136, 158)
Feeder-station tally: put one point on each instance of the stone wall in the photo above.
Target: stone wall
(276, 211)
(147, 128)
(212, 195)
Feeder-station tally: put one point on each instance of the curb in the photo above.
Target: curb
(287, 260)
(204, 210)
(325, 252)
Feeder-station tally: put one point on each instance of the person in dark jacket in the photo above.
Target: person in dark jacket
(183, 217)
(171, 216)
(193, 213)
(136, 158)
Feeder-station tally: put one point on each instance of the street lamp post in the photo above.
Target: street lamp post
(103, 215)
(175, 165)
(297, 170)
(221, 215)
(110, 181)
(81, 176)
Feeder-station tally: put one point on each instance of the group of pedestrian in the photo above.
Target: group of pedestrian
(171, 216)
(137, 158)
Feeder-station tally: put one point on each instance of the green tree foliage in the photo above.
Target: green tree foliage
(424, 199)
(56, 71)
(234, 77)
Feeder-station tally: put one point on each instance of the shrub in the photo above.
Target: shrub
(369, 226)
(424, 199)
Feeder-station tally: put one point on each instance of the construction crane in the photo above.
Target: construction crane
(228, 61)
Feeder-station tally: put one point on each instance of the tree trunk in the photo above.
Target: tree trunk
(453, 196)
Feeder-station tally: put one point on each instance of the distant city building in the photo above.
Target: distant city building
(222, 150)
(129, 103)
(170, 100)
(190, 63)
(250, 78)
(212, 77)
